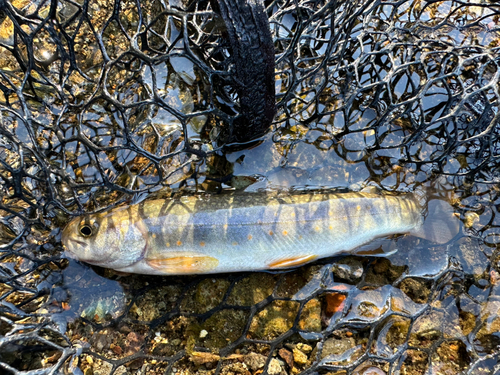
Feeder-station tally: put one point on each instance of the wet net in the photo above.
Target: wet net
(111, 102)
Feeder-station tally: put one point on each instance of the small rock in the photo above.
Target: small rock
(255, 361)
(116, 349)
(287, 356)
(101, 342)
(201, 358)
(274, 367)
(104, 368)
(351, 270)
(122, 370)
(299, 357)
(134, 341)
(304, 348)
(334, 303)
(135, 364)
(203, 334)
(337, 347)
(133, 337)
(125, 329)
(310, 319)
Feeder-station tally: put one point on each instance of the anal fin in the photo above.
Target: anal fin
(292, 261)
(379, 247)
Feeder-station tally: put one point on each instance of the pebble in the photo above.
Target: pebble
(203, 334)
(255, 361)
(304, 348)
(274, 367)
(287, 356)
(203, 358)
(351, 271)
(101, 342)
(299, 357)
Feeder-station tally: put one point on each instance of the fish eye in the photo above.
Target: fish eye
(86, 230)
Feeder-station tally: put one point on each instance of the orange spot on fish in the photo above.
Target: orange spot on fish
(168, 244)
(184, 264)
(225, 226)
(358, 207)
(202, 243)
(292, 261)
(330, 227)
(293, 214)
(300, 237)
(249, 237)
(235, 243)
(271, 233)
(330, 213)
(285, 233)
(153, 235)
(317, 228)
(179, 243)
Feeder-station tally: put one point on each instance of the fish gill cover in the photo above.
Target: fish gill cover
(106, 102)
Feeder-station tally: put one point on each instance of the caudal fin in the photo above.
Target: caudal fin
(440, 224)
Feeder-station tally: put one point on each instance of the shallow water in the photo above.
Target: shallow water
(396, 97)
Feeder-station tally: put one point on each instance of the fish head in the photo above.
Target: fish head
(105, 240)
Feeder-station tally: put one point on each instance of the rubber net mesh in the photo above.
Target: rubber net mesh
(106, 102)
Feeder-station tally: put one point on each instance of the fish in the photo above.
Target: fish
(253, 232)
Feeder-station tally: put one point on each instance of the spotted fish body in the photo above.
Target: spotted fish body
(230, 233)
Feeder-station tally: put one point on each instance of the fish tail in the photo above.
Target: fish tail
(440, 223)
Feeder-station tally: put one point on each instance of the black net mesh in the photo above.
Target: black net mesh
(107, 102)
